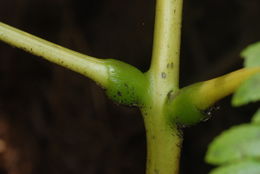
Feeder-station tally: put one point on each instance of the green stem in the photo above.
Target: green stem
(163, 140)
(189, 106)
(88, 66)
(164, 145)
(211, 91)
(166, 49)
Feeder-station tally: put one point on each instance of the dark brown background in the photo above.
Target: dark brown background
(57, 122)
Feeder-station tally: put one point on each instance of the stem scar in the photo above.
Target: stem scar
(163, 74)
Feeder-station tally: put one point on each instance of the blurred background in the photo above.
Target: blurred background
(55, 121)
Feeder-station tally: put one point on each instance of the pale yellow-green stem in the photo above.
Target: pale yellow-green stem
(86, 65)
(163, 139)
(164, 68)
(189, 106)
(163, 145)
(211, 91)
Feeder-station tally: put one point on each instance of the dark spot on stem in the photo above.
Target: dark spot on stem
(149, 160)
(179, 144)
(171, 95)
(156, 171)
(172, 65)
(163, 75)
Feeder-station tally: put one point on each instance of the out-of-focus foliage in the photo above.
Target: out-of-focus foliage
(256, 117)
(237, 150)
(251, 55)
(250, 89)
(238, 143)
(241, 167)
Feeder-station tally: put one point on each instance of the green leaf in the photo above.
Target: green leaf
(239, 142)
(256, 117)
(242, 167)
(249, 91)
(237, 150)
(252, 55)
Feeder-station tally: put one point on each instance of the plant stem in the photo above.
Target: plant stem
(164, 145)
(211, 91)
(86, 65)
(163, 140)
(166, 48)
(192, 101)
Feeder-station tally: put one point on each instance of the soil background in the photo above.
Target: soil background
(55, 121)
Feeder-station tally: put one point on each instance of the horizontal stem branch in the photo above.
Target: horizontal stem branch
(88, 66)
(213, 90)
(190, 104)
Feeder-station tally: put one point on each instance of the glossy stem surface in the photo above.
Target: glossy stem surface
(163, 140)
(86, 65)
(164, 146)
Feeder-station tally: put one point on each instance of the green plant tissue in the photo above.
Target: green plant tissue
(256, 117)
(241, 167)
(248, 92)
(252, 55)
(238, 143)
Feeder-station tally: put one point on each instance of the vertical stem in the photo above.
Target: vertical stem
(164, 143)
(166, 49)
(163, 138)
